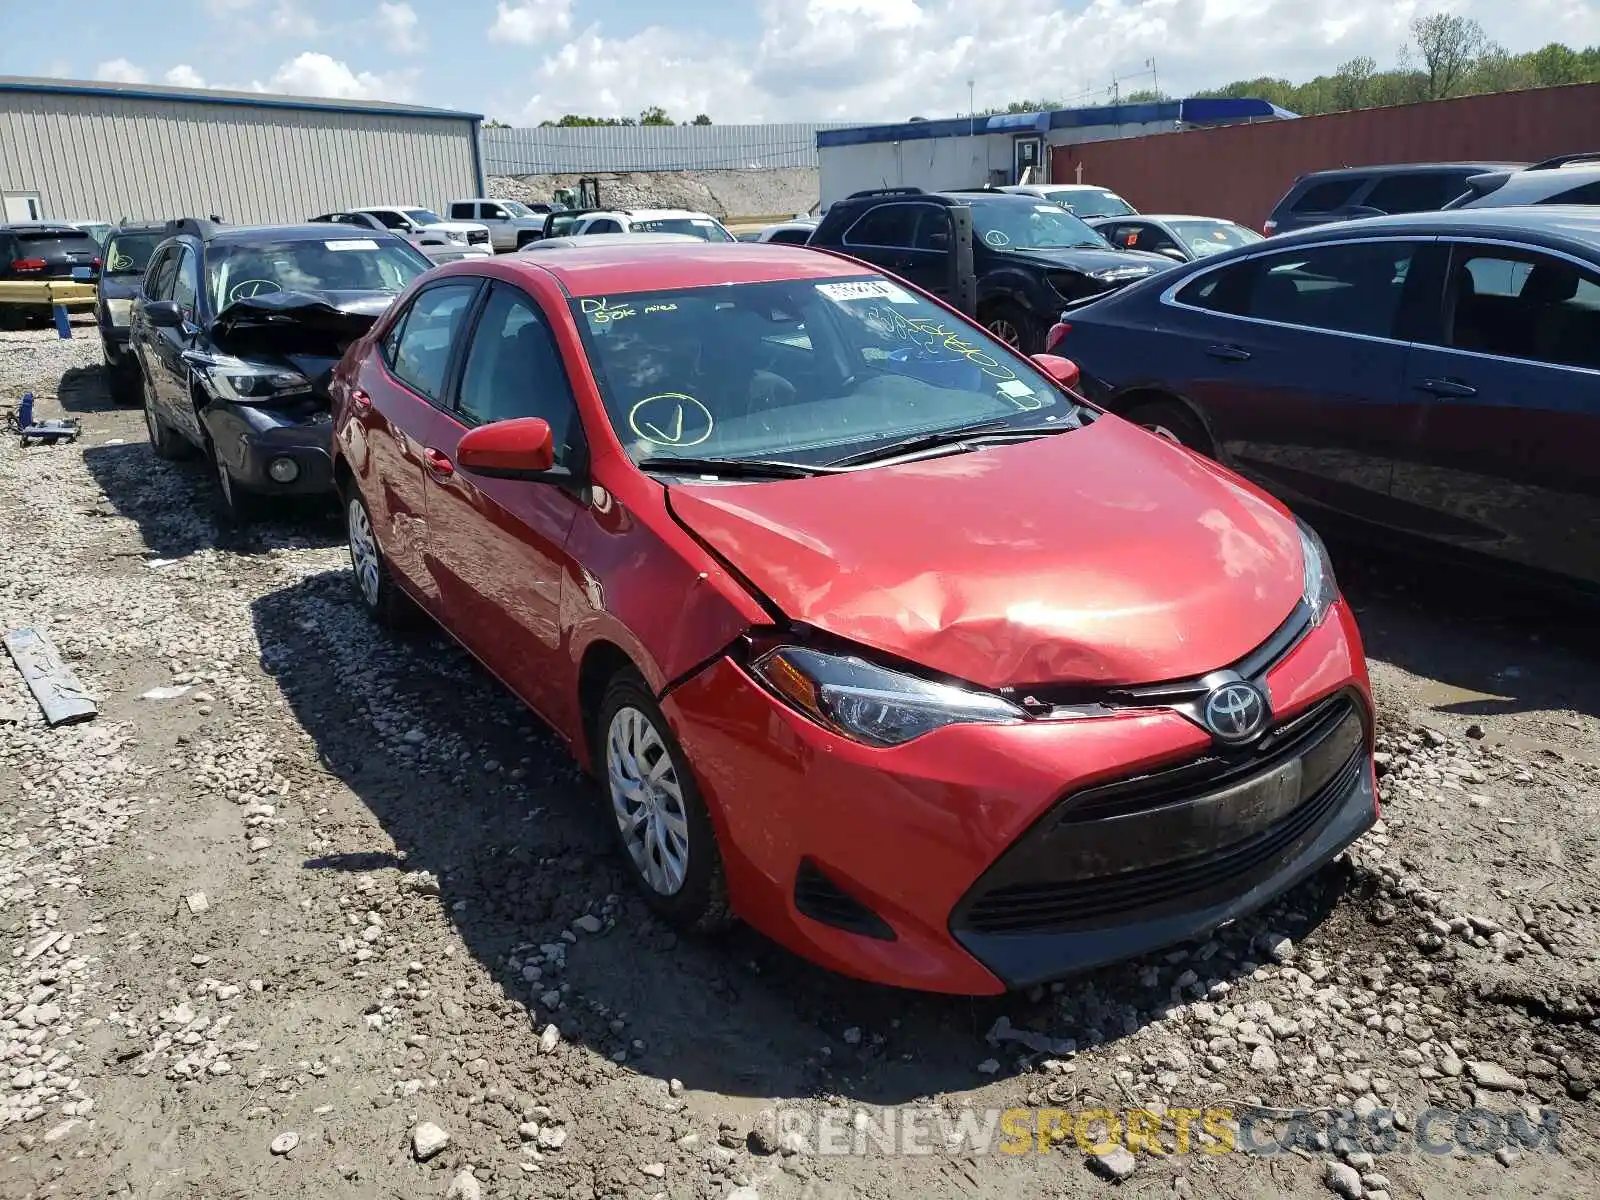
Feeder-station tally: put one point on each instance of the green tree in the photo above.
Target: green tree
(1352, 83)
(702, 119)
(1448, 44)
(654, 115)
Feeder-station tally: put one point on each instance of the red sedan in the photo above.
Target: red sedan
(875, 634)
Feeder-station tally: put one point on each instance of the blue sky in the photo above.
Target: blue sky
(772, 60)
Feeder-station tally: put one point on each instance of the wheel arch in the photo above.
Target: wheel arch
(602, 660)
(1139, 395)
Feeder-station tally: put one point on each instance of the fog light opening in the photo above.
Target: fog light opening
(283, 470)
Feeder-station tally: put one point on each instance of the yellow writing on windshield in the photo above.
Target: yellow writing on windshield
(929, 334)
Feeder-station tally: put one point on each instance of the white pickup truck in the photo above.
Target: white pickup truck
(512, 224)
(409, 219)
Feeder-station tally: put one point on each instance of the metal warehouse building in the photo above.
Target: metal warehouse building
(89, 151)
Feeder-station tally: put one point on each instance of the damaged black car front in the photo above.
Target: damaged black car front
(254, 377)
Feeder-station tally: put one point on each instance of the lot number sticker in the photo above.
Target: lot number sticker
(352, 244)
(870, 289)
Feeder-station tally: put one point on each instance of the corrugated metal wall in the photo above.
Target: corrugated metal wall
(112, 157)
(1242, 171)
(557, 151)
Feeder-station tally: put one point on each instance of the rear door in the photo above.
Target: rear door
(497, 547)
(884, 236)
(405, 381)
(1298, 358)
(1505, 457)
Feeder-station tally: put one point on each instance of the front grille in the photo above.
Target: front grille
(1174, 840)
(1046, 907)
(477, 236)
(821, 899)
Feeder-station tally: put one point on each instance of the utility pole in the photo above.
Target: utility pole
(1155, 83)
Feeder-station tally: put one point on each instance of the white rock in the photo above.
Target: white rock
(1343, 1180)
(552, 1138)
(989, 1066)
(285, 1142)
(549, 1038)
(588, 923)
(654, 1170)
(464, 1186)
(197, 903)
(852, 1036)
(1115, 1164)
(427, 1139)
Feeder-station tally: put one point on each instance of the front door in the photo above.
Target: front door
(405, 383)
(1027, 155)
(497, 547)
(1509, 412)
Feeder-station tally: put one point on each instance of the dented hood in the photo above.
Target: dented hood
(1099, 556)
(339, 313)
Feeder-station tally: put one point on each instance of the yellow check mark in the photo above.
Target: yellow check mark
(668, 439)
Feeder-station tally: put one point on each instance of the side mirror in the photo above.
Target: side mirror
(523, 448)
(1063, 370)
(164, 314)
(1174, 254)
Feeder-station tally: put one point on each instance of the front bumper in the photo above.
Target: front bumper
(248, 438)
(891, 864)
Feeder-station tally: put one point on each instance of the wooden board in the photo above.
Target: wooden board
(51, 681)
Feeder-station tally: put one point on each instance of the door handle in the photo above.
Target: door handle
(1229, 353)
(1447, 387)
(438, 462)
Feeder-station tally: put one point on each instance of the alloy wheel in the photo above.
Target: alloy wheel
(363, 550)
(647, 800)
(1163, 431)
(1005, 331)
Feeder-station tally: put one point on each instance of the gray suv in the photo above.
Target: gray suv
(1350, 193)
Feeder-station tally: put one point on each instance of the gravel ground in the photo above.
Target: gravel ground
(309, 910)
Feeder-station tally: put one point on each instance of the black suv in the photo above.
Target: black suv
(127, 255)
(237, 330)
(1031, 257)
(1350, 193)
(40, 251)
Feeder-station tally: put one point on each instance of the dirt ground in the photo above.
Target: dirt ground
(305, 901)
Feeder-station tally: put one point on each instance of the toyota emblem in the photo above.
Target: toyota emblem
(1235, 712)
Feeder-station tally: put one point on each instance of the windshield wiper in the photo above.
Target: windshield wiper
(730, 468)
(998, 429)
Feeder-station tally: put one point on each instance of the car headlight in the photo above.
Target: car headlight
(1321, 588)
(239, 380)
(872, 704)
(120, 311)
(1111, 273)
(456, 235)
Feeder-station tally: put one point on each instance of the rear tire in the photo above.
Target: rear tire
(1171, 420)
(375, 587)
(1013, 326)
(655, 811)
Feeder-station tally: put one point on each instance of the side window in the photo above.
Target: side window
(514, 370)
(389, 220)
(794, 237)
(933, 228)
(1222, 291)
(1589, 193)
(1414, 192)
(1327, 195)
(603, 225)
(1522, 304)
(152, 275)
(1349, 287)
(186, 281)
(418, 348)
(892, 225)
(491, 212)
(461, 211)
(1124, 234)
(161, 275)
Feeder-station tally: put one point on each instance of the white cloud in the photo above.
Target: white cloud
(315, 74)
(529, 21)
(398, 25)
(183, 75)
(887, 60)
(120, 70)
(288, 20)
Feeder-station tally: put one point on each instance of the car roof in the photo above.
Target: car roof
(282, 233)
(139, 227)
(1169, 217)
(1411, 168)
(629, 265)
(1556, 179)
(1573, 222)
(40, 227)
(983, 196)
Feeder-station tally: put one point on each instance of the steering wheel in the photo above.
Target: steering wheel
(249, 289)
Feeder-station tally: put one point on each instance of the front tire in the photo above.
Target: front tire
(655, 809)
(166, 442)
(1014, 326)
(1171, 420)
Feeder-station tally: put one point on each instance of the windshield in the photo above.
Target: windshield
(352, 264)
(1091, 203)
(1212, 237)
(802, 371)
(1032, 227)
(422, 216)
(516, 209)
(129, 253)
(703, 228)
